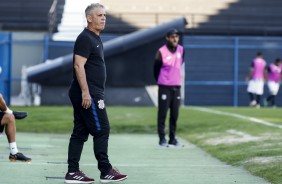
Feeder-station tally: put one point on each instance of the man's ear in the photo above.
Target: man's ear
(89, 18)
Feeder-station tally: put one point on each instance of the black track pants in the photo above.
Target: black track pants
(93, 121)
(169, 98)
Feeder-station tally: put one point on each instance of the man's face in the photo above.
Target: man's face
(97, 20)
(173, 39)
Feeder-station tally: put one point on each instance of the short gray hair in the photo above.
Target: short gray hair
(91, 7)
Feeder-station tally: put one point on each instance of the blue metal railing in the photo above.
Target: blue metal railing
(235, 44)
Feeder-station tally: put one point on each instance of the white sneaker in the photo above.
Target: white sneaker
(253, 103)
(258, 106)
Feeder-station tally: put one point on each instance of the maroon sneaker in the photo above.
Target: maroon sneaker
(113, 176)
(78, 177)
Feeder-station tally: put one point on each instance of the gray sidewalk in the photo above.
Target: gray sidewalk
(139, 156)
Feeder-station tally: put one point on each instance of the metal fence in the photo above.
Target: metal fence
(216, 66)
(215, 63)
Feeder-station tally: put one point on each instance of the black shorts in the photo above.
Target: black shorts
(1, 126)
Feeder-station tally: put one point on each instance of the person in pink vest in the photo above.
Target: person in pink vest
(273, 81)
(255, 79)
(168, 74)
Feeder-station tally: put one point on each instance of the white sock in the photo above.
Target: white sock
(8, 111)
(13, 148)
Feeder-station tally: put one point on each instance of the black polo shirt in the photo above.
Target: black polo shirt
(90, 46)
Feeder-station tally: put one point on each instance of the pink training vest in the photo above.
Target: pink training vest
(274, 73)
(259, 67)
(170, 74)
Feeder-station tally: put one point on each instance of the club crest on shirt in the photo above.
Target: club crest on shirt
(168, 57)
(101, 104)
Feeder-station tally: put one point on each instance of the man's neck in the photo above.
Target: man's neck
(171, 48)
(93, 30)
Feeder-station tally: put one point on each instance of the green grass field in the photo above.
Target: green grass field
(236, 141)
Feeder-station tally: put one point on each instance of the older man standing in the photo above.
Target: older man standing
(87, 96)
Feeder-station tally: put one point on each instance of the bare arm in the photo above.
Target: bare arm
(249, 76)
(79, 63)
(3, 106)
(265, 72)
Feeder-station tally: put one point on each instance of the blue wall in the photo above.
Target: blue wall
(5, 63)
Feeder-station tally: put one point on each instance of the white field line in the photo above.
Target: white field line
(235, 138)
(264, 160)
(120, 165)
(255, 120)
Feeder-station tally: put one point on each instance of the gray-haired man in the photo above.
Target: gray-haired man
(87, 96)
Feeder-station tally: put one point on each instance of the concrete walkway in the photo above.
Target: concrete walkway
(137, 155)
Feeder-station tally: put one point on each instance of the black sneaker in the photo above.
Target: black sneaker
(19, 115)
(163, 143)
(113, 176)
(19, 157)
(174, 143)
(78, 177)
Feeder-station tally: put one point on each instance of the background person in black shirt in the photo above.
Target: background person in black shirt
(87, 96)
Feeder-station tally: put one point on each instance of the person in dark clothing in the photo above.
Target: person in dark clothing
(168, 74)
(8, 122)
(87, 97)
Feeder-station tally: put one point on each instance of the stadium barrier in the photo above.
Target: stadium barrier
(216, 66)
